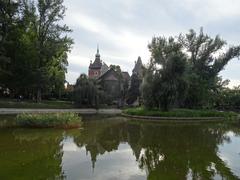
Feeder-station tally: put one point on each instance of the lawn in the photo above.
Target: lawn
(48, 104)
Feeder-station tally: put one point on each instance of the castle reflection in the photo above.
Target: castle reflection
(114, 148)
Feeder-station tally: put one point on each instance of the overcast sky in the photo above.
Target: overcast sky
(123, 29)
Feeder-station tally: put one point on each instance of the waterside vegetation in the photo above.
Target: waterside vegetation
(50, 120)
(181, 113)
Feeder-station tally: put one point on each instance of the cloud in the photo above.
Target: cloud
(123, 28)
(71, 77)
(234, 83)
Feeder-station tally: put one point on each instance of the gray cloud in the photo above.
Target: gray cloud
(123, 28)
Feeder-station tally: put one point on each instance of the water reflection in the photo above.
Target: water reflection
(117, 149)
(30, 154)
(163, 151)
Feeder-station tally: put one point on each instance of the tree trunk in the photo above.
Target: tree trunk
(39, 95)
(59, 94)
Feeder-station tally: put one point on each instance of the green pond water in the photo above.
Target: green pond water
(116, 148)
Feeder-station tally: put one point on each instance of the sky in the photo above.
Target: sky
(124, 28)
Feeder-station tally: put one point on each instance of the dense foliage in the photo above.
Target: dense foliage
(86, 92)
(228, 99)
(166, 82)
(184, 71)
(134, 89)
(34, 47)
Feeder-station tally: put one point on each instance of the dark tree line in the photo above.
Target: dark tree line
(34, 46)
(184, 71)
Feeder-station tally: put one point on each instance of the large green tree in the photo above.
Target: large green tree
(166, 73)
(184, 71)
(207, 56)
(53, 43)
(34, 47)
(8, 26)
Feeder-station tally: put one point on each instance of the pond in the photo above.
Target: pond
(118, 148)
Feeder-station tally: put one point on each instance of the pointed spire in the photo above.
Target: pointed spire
(97, 55)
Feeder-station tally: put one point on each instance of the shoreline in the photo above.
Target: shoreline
(9, 111)
(174, 119)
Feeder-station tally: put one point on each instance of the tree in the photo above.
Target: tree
(184, 71)
(34, 47)
(206, 57)
(134, 90)
(86, 92)
(166, 80)
(8, 20)
(228, 99)
(147, 89)
(52, 43)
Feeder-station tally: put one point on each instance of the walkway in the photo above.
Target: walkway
(80, 111)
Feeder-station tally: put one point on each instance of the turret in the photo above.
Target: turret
(95, 67)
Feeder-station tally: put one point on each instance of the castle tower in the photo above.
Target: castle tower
(94, 70)
(138, 68)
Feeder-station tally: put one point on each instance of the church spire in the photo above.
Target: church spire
(97, 55)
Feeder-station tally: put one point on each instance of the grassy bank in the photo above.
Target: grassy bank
(179, 113)
(48, 104)
(50, 120)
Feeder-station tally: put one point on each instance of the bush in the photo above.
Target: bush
(62, 120)
(179, 113)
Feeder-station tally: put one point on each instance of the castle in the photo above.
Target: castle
(97, 68)
(113, 82)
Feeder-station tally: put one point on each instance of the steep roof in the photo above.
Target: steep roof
(109, 75)
(104, 68)
(138, 66)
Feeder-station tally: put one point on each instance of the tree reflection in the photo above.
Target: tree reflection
(31, 154)
(172, 151)
(163, 151)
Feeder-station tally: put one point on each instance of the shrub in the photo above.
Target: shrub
(63, 120)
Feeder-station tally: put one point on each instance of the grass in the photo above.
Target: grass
(50, 120)
(140, 111)
(48, 104)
